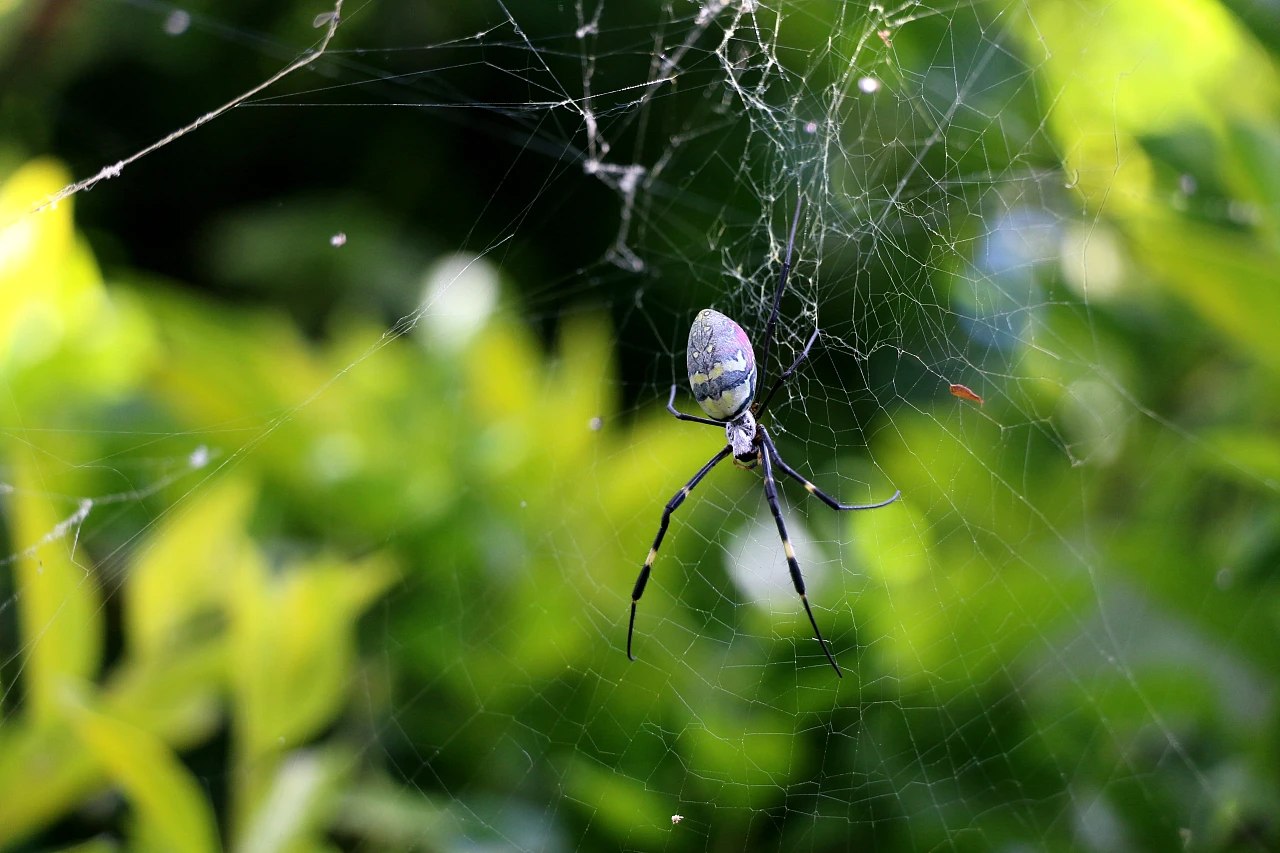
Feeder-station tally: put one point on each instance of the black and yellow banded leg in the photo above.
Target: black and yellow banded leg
(772, 450)
(675, 501)
(771, 495)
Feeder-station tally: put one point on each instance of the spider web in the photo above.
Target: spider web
(1023, 668)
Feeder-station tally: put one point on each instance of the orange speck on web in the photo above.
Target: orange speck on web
(963, 392)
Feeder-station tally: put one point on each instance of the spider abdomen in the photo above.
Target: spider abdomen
(722, 365)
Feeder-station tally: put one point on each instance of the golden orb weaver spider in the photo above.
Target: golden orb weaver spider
(722, 375)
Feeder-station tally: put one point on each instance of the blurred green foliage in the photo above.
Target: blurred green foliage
(362, 589)
(209, 622)
(219, 633)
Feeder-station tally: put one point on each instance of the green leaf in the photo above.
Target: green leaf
(1227, 277)
(168, 804)
(293, 650)
(1254, 169)
(182, 571)
(1247, 455)
(294, 644)
(44, 772)
(1103, 100)
(619, 802)
(297, 807)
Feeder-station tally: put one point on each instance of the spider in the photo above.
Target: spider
(722, 375)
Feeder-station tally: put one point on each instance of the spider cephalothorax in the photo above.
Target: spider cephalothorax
(722, 375)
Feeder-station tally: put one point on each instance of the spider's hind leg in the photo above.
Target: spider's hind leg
(772, 450)
(771, 495)
(676, 500)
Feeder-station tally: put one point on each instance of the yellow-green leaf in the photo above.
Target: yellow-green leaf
(1230, 279)
(297, 808)
(293, 646)
(61, 615)
(184, 569)
(168, 804)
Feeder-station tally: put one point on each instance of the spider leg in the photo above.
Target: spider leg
(814, 490)
(771, 495)
(671, 407)
(786, 374)
(782, 285)
(676, 500)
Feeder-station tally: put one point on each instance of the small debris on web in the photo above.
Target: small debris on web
(885, 37)
(676, 818)
(339, 239)
(323, 19)
(964, 393)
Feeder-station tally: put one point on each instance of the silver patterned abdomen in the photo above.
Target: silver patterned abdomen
(722, 365)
